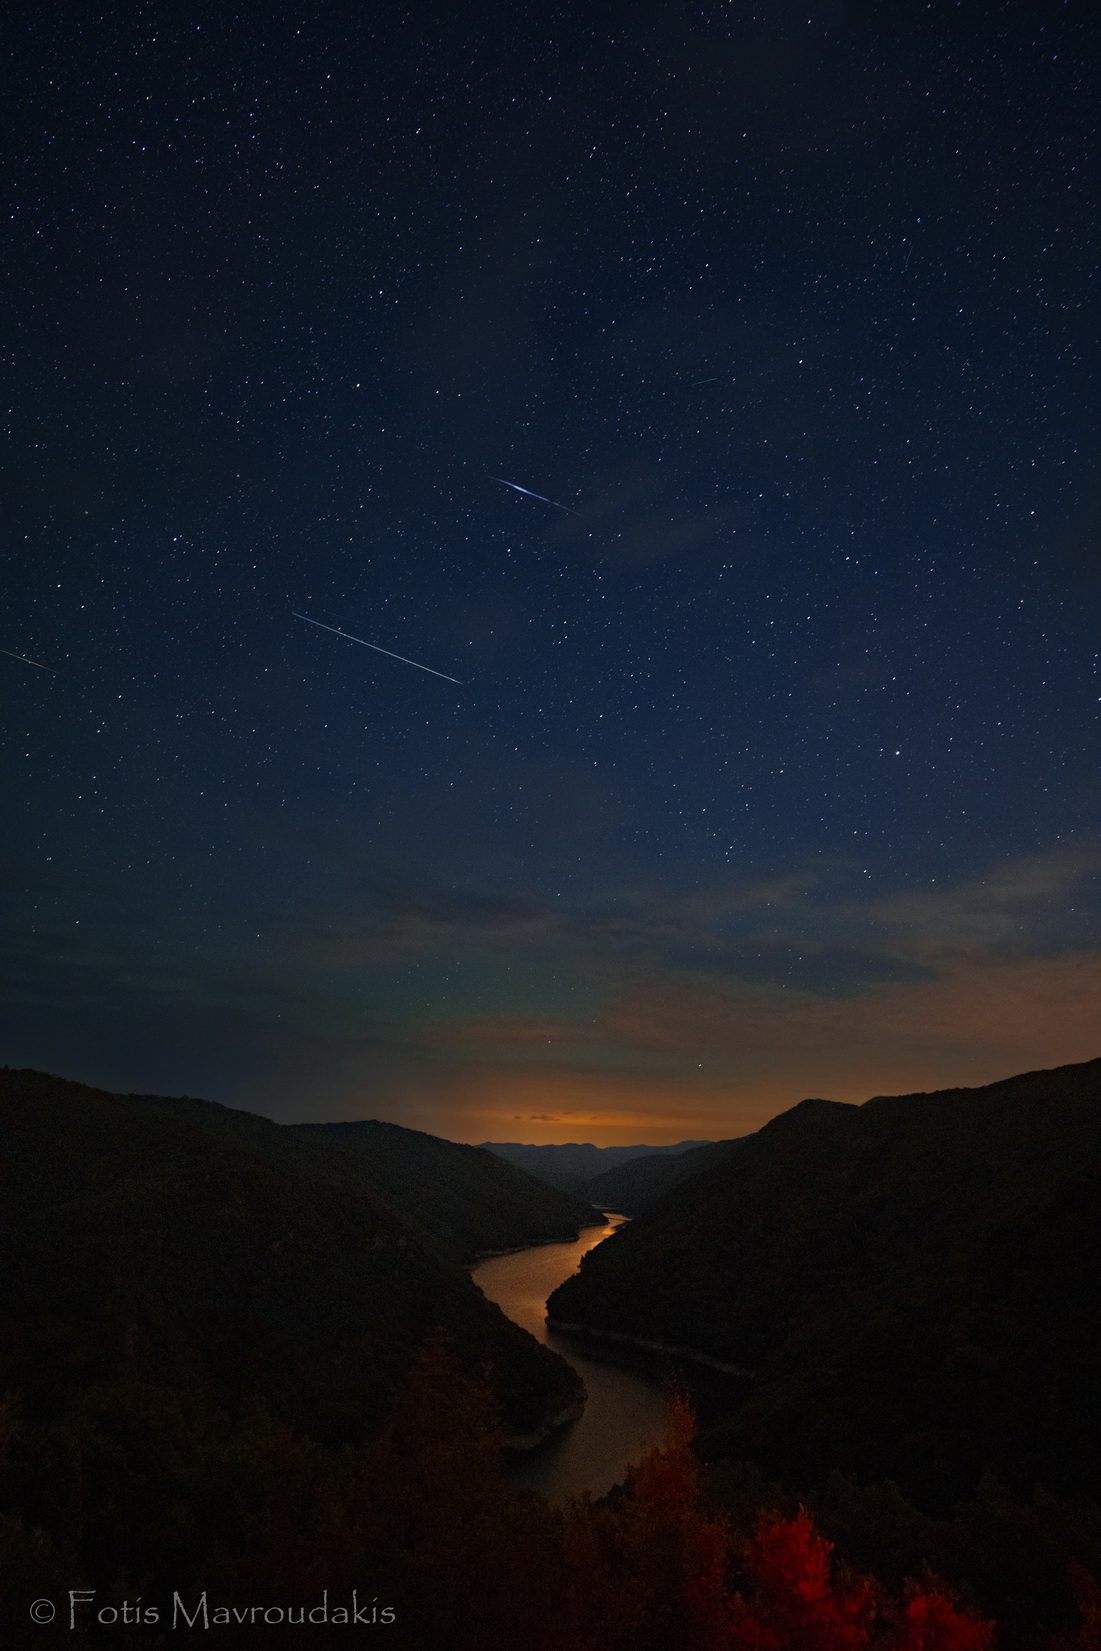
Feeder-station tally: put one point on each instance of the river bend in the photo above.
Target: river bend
(625, 1415)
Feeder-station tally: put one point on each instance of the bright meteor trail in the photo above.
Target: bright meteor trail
(27, 661)
(541, 496)
(375, 646)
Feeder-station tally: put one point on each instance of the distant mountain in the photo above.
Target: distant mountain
(633, 1186)
(571, 1165)
(204, 1250)
(459, 1199)
(915, 1285)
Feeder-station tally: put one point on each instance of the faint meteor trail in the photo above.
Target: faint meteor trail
(541, 496)
(26, 661)
(348, 635)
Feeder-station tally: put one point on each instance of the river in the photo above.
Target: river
(625, 1415)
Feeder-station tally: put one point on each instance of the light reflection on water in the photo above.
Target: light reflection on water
(625, 1415)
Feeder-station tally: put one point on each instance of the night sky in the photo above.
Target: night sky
(771, 766)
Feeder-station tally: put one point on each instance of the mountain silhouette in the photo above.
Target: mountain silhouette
(913, 1286)
(184, 1242)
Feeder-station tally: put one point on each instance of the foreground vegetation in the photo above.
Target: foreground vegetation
(143, 1496)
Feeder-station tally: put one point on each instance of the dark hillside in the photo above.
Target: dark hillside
(570, 1165)
(915, 1283)
(461, 1199)
(209, 1250)
(632, 1187)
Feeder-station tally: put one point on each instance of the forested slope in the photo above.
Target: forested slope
(915, 1284)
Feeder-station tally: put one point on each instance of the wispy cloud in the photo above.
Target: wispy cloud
(635, 520)
(1034, 903)
(700, 1011)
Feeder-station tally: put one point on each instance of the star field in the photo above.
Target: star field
(771, 763)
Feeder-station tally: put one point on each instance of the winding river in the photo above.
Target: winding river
(625, 1415)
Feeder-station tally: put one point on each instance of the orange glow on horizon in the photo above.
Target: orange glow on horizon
(709, 1060)
(572, 1107)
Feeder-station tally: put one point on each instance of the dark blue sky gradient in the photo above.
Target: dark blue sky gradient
(774, 765)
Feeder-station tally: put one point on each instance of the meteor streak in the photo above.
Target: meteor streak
(348, 635)
(27, 661)
(541, 496)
